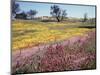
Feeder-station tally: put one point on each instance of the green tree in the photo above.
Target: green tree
(32, 13)
(15, 7)
(58, 13)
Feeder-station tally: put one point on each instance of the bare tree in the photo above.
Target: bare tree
(58, 13)
(32, 13)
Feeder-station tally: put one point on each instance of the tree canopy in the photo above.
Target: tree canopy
(58, 13)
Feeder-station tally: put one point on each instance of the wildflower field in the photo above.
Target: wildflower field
(52, 46)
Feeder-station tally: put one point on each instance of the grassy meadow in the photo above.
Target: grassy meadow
(29, 33)
(52, 46)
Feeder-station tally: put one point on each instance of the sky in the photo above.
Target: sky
(43, 9)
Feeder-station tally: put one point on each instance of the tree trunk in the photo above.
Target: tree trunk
(58, 19)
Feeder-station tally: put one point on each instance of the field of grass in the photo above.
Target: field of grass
(52, 46)
(27, 34)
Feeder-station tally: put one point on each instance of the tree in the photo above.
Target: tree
(58, 13)
(15, 7)
(85, 17)
(63, 14)
(22, 15)
(32, 13)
